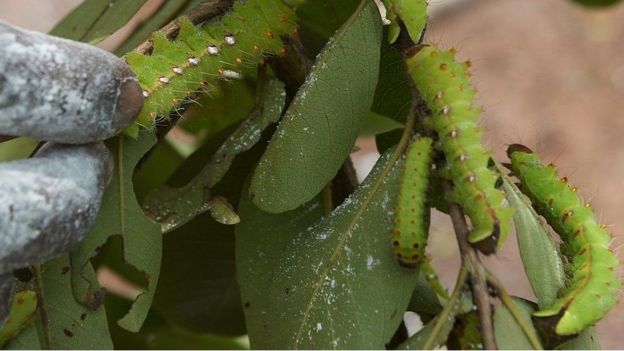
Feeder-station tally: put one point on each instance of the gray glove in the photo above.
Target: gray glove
(66, 92)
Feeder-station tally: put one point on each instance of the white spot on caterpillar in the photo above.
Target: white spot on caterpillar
(193, 61)
(454, 134)
(231, 74)
(463, 157)
(319, 327)
(177, 70)
(446, 110)
(164, 80)
(213, 50)
(472, 178)
(146, 94)
(439, 95)
(230, 40)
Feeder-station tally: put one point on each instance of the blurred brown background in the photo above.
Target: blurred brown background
(550, 76)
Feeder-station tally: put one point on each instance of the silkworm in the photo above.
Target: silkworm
(49, 202)
(593, 288)
(444, 85)
(412, 214)
(63, 91)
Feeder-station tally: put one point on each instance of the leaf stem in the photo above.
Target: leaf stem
(448, 308)
(515, 313)
(43, 308)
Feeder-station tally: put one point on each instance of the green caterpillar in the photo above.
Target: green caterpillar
(445, 87)
(594, 285)
(412, 215)
(228, 49)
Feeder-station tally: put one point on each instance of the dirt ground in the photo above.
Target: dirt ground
(550, 75)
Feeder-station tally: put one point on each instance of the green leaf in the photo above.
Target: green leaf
(540, 257)
(120, 214)
(377, 124)
(16, 149)
(174, 206)
(69, 325)
(198, 259)
(509, 335)
(197, 288)
(94, 20)
(393, 96)
(424, 300)
(320, 19)
(320, 127)
(165, 13)
(417, 341)
(22, 312)
(261, 239)
(158, 334)
(337, 284)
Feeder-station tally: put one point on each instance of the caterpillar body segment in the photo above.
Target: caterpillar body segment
(593, 287)
(227, 49)
(445, 87)
(412, 214)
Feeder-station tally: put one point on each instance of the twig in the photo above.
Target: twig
(478, 281)
(515, 313)
(43, 308)
(450, 305)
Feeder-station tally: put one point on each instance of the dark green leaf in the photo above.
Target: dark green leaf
(198, 259)
(539, 254)
(121, 215)
(70, 325)
(173, 206)
(197, 288)
(320, 19)
(320, 127)
(158, 334)
(261, 239)
(417, 341)
(337, 284)
(166, 13)
(509, 335)
(94, 20)
(424, 300)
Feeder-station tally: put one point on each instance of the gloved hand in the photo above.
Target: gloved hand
(73, 95)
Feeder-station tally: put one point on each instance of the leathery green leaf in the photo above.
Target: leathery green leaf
(175, 206)
(540, 257)
(69, 325)
(261, 238)
(337, 284)
(320, 127)
(121, 215)
(94, 20)
(509, 335)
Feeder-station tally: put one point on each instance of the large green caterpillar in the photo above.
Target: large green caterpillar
(197, 57)
(594, 285)
(412, 214)
(445, 87)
